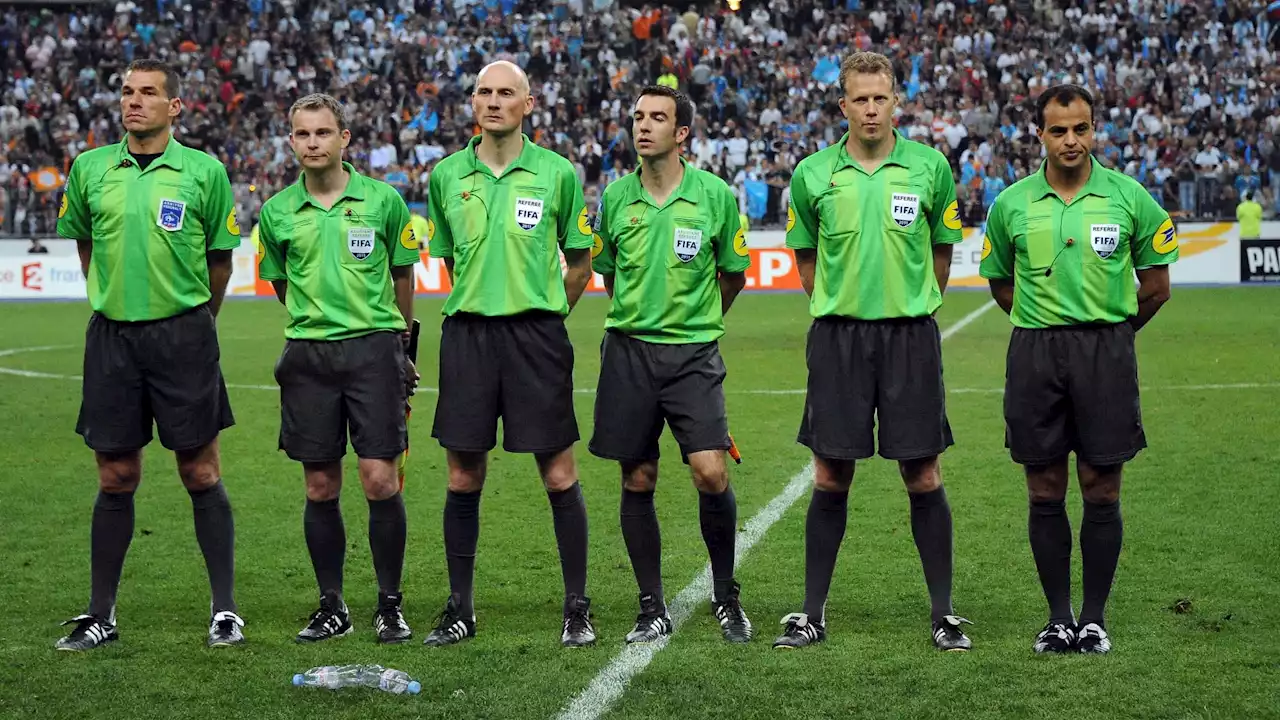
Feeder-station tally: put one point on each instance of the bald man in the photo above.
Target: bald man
(500, 212)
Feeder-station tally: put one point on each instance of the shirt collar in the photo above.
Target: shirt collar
(689, 189)
(1097, 184)
(897, 156)
(524, 161)
(171, 157)
(355, 189)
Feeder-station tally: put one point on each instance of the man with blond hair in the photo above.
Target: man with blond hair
(872, 221)
(500, 212)
(339, 249)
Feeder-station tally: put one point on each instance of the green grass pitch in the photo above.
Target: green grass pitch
(1201, 509)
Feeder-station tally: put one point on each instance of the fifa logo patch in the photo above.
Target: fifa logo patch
(360, 242)
(528, 213)
(905, 207)
(1105, 239)
(170, 214)
(687, 243)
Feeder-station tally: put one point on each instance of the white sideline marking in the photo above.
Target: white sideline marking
(585, 391)
(612, 681)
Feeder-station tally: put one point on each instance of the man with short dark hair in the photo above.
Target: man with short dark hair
(872, 221)
(155, 224)
(339, 249)
(1061, 250)
(673, 255)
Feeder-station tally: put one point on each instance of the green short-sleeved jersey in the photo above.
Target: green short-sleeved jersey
(338, 261)
(665, 260)
(150, 228)
(504, 233)
(1074, 263)
(874, 232)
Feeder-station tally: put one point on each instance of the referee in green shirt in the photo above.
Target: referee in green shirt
(155, 224)
(500, 211)
(1060, 253)
(339, 250)
(872, 221)
(673, 255)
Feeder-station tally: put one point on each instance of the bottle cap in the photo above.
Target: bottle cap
(415, 687)
(298, 679)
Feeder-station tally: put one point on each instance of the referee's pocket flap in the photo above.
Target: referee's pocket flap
(1040, 243)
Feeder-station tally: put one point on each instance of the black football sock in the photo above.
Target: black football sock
(387, 530)
(569, 516)
(1050, 533)
(109, 538)
(823, 533)
(327, 542)
(643, 537)
(1101, 535)
(216, 533)
(931, 527)
(461, 536)
(718, 516)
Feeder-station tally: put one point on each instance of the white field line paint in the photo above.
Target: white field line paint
(798, 391)
(612, 681)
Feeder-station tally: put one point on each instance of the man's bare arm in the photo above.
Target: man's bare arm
(219, 262)
(1002, 291)
(578, 274)
(1153, 292)
(806, 264)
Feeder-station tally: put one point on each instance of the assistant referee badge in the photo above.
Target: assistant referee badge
(740, 242)
(407, 240)
(791, 217)
(687, 243)
(1165, 240)
(233, 223)
(597, 245)
(951, 217)
(62, 209)
(986, 248)
(584, 225)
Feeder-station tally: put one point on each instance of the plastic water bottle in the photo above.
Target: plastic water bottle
(333, 677)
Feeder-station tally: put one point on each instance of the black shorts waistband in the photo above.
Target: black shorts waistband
(526, 316)
(1080, 327)
(883, 322)
(144, 323)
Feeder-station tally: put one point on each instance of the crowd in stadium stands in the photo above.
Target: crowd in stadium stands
(1187, 91)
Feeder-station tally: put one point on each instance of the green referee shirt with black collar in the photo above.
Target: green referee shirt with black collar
(150, 229)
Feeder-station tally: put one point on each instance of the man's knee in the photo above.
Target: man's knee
(324, 480)
(1099, 484)
(200, 468)
(831, 475)
(119, 472)
(640, 477)
(1047, 483)
(559, 470)
(710, 474)
(922, 475)
(467, 471)
(380, 478)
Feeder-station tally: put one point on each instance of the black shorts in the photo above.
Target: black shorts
(518, 368)
(328, 386)
(861, 371)
(166, 371)
(643, 384)
(1073, 389)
